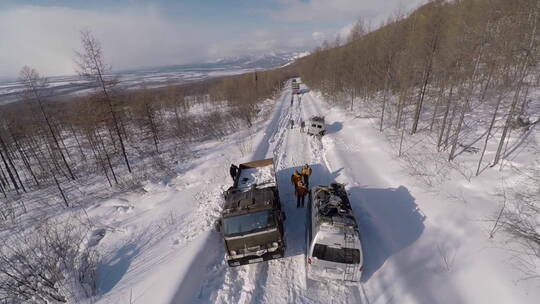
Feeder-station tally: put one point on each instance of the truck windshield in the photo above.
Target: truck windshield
(248, 222)
(337, 255)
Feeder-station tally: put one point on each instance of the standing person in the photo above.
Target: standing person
(301, 191)
(233, 171)
(292, 123)
(302, 125)
(306, 173)
(296, 178)
(292, 99)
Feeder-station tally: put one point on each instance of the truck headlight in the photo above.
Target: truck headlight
(233, 252)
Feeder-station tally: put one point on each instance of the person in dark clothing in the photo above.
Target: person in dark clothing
(292, 123)
(302, 125)
(301, 191)
(292, 99)
(234, 171)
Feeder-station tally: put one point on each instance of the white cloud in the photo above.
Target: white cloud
(136, 36)
(318, 36)
(45, 38)
(374, 11)
(263, 41)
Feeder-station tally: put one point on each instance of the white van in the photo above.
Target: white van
(334, 250)
(316, 126)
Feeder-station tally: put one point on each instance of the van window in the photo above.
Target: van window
(337, 255)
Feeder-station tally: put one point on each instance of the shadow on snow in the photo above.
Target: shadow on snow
(389, 221)
(335, 127)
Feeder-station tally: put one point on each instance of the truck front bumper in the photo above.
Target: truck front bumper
(251, 259)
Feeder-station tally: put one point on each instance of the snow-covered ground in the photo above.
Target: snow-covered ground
(421, 245)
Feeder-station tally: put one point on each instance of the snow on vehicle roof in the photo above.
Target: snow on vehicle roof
(259, 176)
(333, 206)
(335, 238)
(317, 118)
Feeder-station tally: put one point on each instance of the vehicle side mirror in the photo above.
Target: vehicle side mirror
(217, 225)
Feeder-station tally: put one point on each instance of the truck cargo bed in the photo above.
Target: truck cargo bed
(260, 174)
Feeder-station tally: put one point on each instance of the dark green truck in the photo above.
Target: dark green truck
(252, 221)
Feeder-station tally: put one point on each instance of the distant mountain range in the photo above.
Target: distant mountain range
(159, 76)
(268, 60)
(263, 61)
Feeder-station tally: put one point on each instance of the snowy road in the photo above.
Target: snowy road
(284, 280)
(408, 257)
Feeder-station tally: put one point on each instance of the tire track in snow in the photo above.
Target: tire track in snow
(286, 279)
(246, 284)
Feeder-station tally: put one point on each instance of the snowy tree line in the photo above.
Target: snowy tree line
(51, 151)
(45, 141)
(431, 71)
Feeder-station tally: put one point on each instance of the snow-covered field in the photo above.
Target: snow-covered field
(421, 244)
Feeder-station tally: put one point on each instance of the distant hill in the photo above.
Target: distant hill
(160, 76)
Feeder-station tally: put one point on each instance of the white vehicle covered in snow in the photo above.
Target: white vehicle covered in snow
(334, 249)
(316, 126)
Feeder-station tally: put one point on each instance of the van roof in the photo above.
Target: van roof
(317, 118)
(333, 207)
(338, 238)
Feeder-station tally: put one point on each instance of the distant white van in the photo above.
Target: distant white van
(334, 249)
(316, 126)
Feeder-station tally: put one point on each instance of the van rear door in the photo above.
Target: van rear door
(337, 262)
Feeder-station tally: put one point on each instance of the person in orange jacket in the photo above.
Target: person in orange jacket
(295, 178)
(306, 173)
(301, 191)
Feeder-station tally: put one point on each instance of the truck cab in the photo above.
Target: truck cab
(333, 243)
(251, 222)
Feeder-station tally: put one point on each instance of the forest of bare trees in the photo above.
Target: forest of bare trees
(49, 142)
(51, 150)
(434, 72)
(443, 57)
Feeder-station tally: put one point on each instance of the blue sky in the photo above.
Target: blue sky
(143, 33)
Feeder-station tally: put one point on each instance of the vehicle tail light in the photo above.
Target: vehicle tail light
(309, 261)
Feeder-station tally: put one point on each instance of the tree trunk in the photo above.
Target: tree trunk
(24, 158)
(385, 96)
(446, 111)
(465, 107)
(152, 126)
(10, 162)
(97, 157)
(436, 110)
(83, 155)
(107, 156)
(491, 124)
(60, 189)
(53, 135)
(13, 181)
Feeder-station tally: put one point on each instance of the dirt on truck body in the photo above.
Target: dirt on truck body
(252, 221)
